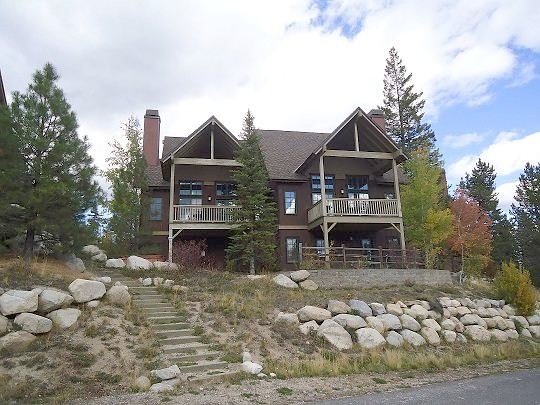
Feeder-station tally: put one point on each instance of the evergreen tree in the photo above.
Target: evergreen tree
(129, 205)
(253, 242)
(526, 215)
(480, 185)
(403, 110)
(48, 183)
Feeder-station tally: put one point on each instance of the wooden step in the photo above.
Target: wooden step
(168, 341)
(171, 326)
(185, 348)
(174, 333)
(204, 365)
(204, 355)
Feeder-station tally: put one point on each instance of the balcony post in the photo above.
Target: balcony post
(396, 186)
(171, 209)
(212, 141)
(170, 239)
(356, 141)
(323, 203)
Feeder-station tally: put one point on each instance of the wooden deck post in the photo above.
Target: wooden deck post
(380, 257)
(323, 203)
(356, 140)
(171, 209)
(212, 141)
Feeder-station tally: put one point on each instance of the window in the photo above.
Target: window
(155, 209)
(358, 187)
(319, 243)
(316, 187)
(290, 202)
(390, 196)
(225, 193)
(190, 193)
(292, 250)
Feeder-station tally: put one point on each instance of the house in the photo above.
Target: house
(3, 99)
(356, 165)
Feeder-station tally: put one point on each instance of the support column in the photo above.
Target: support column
(212, 141)
(396, 186)
(323, 202)
(172, 193)
(402, 242)
(356, 141)
(170, 238)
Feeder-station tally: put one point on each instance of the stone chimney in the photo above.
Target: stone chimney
(151, 137)
(378, 118)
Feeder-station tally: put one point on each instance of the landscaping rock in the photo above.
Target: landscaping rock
(157, 281)
(118, 295)
(4, 324)
(165, 265)
(361, 308)
(448, 335)
(104, 279)
(390, 322)
(287, 318)
(86, 290)
(445, 301)
(147, 282)
(90, 250)
(477, 333)
(509, 309)
(308, 285)
(394, 309)
(490, 322)
(375, 323)
(378, 309)
(472, 319)
(412, 338)
(431, 323)
(535, 331)
(138, 263)
(526, 333)
(100, 257)
(369, 338)
(500, 322)
(498, 335)
(394, 339)
(115, 264)
(434, 315)
(18, 301)
(251, 367)
(142, 384)
(447, 324)
(502, 313)
(431, 336)
(311, 313)
(533, 320)
(335, 334)
(482, 304)
(284, 281)
(16, 341)
(299, 275)
(307, 327)
(463, 311)
(458, 326)
(460, 338)
(420, 313)
(64, 318)
(166, 373)
(408, 322)
(246, 356)
(76, 264)
(161, 387)
(33, 323)
(520, 321)
(350, 321)
(93, 304)
(513, 334)
(49, 300)
(338, 307)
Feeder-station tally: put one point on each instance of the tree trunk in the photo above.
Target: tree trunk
(252, 265)
(28, 252)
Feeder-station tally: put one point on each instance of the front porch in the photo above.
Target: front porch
(205, 214)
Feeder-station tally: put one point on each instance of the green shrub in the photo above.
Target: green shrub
(514, 285)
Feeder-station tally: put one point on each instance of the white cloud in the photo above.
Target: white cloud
(506, 193)
(525, 75)
(459, 141)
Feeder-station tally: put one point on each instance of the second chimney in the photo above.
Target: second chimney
(378, 118)
(151, 137)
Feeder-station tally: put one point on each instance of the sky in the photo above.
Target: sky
(296, 64)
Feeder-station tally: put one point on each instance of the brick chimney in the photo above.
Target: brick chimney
(151, 137)
(378, 118)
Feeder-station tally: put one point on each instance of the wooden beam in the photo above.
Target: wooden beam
(212, 141)
(207, 162)
(358, 154)
(396, 186)
(356, 141)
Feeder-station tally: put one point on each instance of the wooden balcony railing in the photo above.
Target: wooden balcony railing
(204, 213)
(355, 207)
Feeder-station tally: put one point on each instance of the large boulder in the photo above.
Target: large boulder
(100, 257)
(412, 338)
(477, 333)
(251, 367)
(472, 319)
(290, 318)
(509, 309)
(375, 323)
(307, 327)
(165, 266)
(431, 323)
(49, 300)
(16, 341)
(76, 264)
(378, 309)
(447, 324)
(394, 339)
(361, 308)
(448, 335)
(350, 321)
(408, 322)
(118, 295)
(309, 285)
(86, 290)
(520, 321)
(33, 323)
(142, 384)
(64, 318)
(91, 250)
(166, 373)
(500, 322)
(138, 263)
(115, 264)
(311, 313)
(299, 275)
(419, 312)
(369, 338)
(535, 331)
(390, 322)
(161, 387)
(512, 334)
(18, 301)
(498, 335)
(394, 309)
(284, 281)
(431, 336)
(4, 324)
(335, 334)
(337, 307)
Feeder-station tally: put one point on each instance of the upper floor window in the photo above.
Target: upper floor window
(190, 193)
(290, 202)
(390, 196)
(358, 187)
(155, 209)
(316, 187)
(225, 193)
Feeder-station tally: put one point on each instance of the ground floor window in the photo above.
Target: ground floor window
(155, 209)
(292, 245)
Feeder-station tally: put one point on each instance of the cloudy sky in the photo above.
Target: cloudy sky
(297, 64)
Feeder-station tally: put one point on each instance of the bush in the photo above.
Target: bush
(514, 285)
(192, 255)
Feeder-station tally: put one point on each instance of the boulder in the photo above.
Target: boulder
(492, 312)
(361, 308)
(64, 318)
(434, 315)
(445, 302)
(455, 303)
(513, 334)
(49, 300)
(76, 264)
(490, 322)
(168, 283)
(158, 281)
(394, 309)
(91, 250)
(100, 257)
(309, 285)
(502, 313)
(420, 313)
(161, 387)
(453, 311)
(482, 304)
(509, 309)
(350, 321)
(284, 281)
(394, 339)
(375, 323)
(448, 335)
(408, 322)
(520, 321)
(477, 333)
(86, 290)
(93, 304)
(460, 338)
(533, 320)
(18, 301)
(142, 384)
(498, 335)
(138, 263)
(463, 311)
(535, 331)
(338, 307)
(447, 324)
(166, 373)
(16, 341)
(311, 313)
(430, 335)
(115, 264)
(146, 282)
(458, 325)
(526, 333)
(246, 356)
(284, 317)
(33, 323)
(472, 319)
(118, 295)
(299, 275)
(378, 309)
(431, 323)
(390, 322)
(251, 367)
(412, 338)
(307, 327)
(4, 324)
(369, 338)
(335, 334)
(165, 266)
(104, 279)
(500, 322)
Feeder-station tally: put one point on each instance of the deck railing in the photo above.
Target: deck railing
(205, 213)
(382, 207)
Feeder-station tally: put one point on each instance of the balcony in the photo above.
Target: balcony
(355, 210)
(204, 214)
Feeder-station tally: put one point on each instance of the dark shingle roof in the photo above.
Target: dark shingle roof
(154, 177)
(170, 143)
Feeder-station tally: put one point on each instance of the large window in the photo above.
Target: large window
(225, 193)
(358, 187)
(316, 187)
(155, 209)
(190, 193)
(290, 202)
(292, 250)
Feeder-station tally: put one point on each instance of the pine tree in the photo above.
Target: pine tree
(129, 205)
(403, 110)
(253, 241)
(526, 214)
(51, 187)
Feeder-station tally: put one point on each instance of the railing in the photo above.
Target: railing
(204, 213)
(382, 207)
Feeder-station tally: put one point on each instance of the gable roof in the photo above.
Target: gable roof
(3, 99)
(171, 143)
